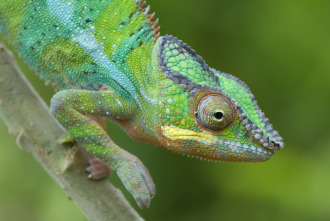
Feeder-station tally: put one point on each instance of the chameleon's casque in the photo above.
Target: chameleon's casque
(107, 59)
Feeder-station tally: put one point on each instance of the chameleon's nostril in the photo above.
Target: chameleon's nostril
(276, 145)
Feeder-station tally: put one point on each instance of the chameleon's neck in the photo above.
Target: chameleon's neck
(149, 82)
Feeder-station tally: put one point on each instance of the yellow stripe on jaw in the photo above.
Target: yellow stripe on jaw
(175, 133)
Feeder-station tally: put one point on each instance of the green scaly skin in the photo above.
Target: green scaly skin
(106, 59)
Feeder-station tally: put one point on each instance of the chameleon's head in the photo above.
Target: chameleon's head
(209, 114)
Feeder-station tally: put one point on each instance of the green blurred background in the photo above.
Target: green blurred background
(281, 49)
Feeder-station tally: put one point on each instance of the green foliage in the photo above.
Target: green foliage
(281, 50)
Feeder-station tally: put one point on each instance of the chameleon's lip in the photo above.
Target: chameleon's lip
(247, 148)
(174, 133)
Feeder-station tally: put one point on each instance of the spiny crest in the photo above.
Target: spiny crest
(154, 24)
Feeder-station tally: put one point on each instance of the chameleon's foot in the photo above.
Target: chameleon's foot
(136, 178)
(98, 169)
(66, 139)
(70, 158)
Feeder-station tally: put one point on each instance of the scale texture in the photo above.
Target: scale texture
(107, 60)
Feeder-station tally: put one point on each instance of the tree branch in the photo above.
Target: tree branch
(29, 120)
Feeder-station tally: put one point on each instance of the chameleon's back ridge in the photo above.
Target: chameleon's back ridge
(81, 44)
(107, 60)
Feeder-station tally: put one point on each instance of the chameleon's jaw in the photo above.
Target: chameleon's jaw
(208, 146)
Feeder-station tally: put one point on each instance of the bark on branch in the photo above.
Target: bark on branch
(29, 120)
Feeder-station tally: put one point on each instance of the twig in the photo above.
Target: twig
(29, 120)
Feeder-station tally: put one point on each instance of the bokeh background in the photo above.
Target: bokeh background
(281, 49)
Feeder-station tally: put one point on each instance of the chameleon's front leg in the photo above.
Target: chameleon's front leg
(70, 108)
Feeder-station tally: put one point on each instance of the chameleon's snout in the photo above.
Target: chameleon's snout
(266, 136)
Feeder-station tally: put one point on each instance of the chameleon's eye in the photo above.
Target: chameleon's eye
(215, 112)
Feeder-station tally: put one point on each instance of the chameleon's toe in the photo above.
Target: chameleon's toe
(137, 180)
(98, 169)
(66, 139)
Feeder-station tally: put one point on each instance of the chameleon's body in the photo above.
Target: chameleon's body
(106, 59)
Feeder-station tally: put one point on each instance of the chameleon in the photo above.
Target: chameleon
(106, 60)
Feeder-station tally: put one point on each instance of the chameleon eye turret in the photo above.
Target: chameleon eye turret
(215, 112)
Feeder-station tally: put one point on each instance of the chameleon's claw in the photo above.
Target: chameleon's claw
(66, 139)
(137, 180)
(98, 169)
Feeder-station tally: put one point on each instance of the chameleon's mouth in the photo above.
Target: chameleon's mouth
(223, 150)
(237, 147)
